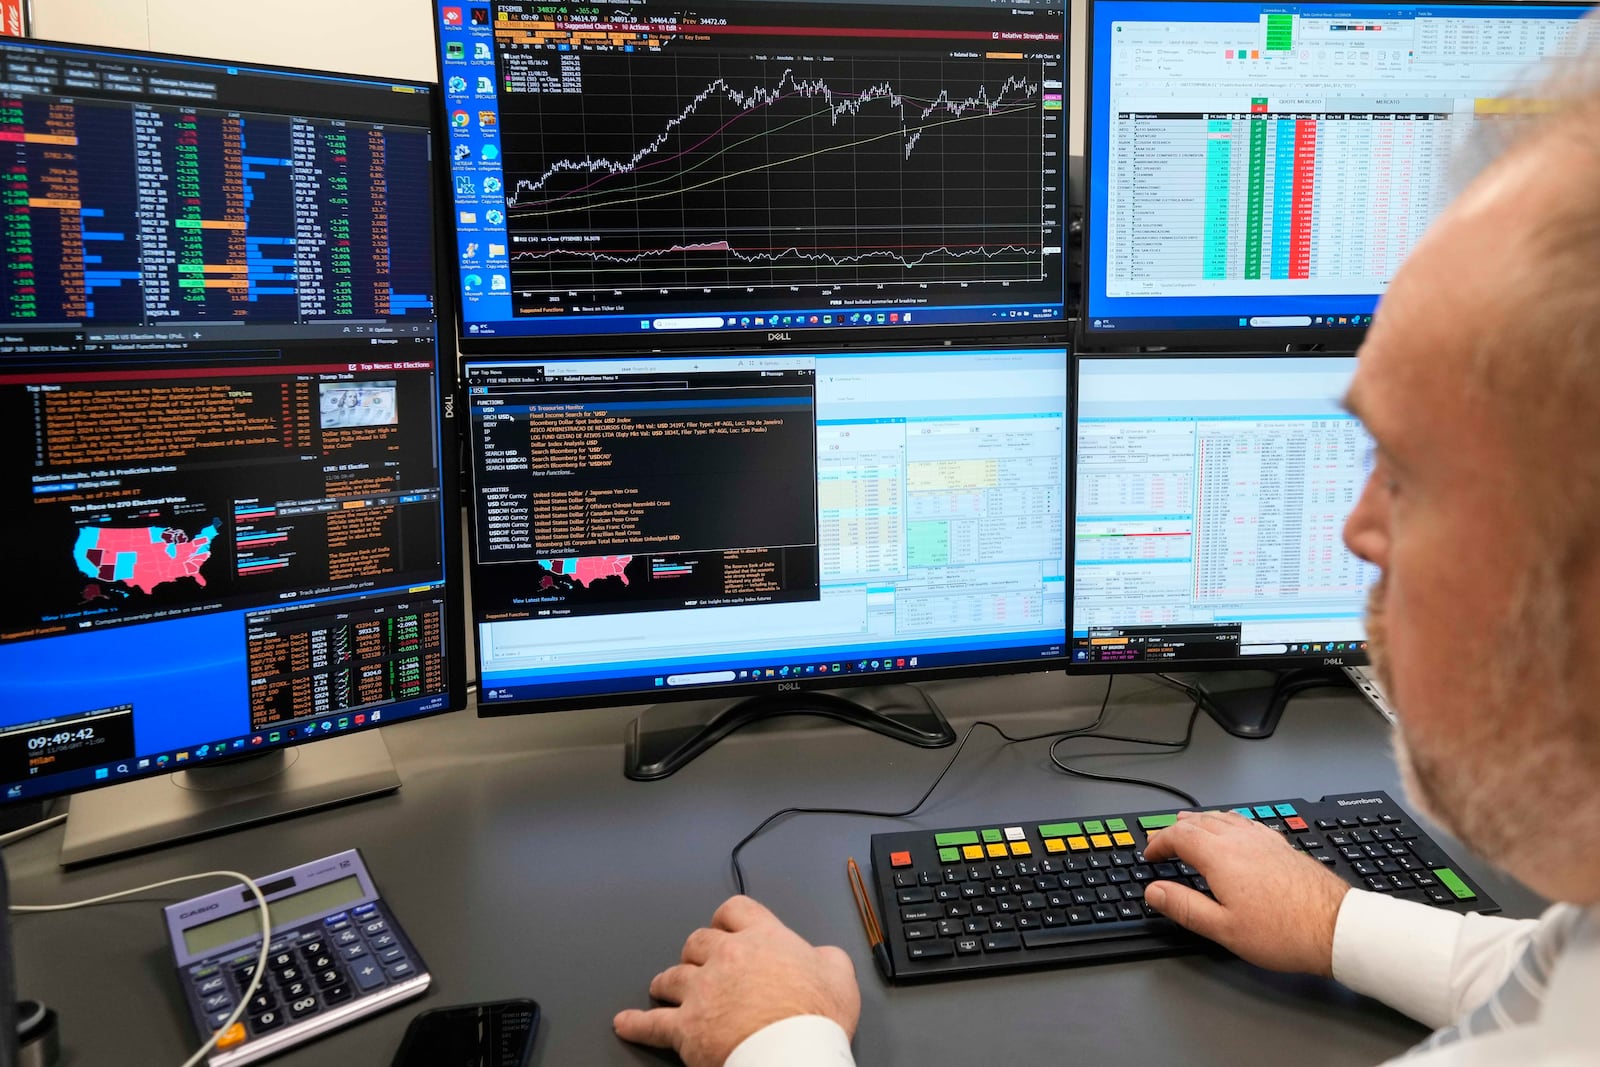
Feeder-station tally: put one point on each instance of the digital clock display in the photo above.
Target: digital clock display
(57, 746)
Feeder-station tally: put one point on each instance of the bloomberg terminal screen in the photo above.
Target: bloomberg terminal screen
(650, 168)
(219, 403)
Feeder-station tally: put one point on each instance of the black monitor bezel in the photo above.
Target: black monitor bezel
(447, 428)
(1284, 661)
(735, 691)
(1089, 339)
(599, 345)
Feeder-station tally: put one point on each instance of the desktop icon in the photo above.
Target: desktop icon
(274, 737)
(496, 251)
(239, 743)
(456, 85)
(494, 217)
(455, 50)
(472, 282)
(257, 739)
(102, 772)
(451, 16)
(783, 672)
(491, 185)
(326, 724)
(459, 119)
(487, 120)
(377, 715)
(498, 283)
(470, 252)
(913, 661)
(462, 152)
(464, 187)
(485, 86)
(143, 764)
(161, 761)
(480, 50)
(13, 792)
(480, 16)
(344, 723)
(360, 719)
(490, 153)
(202, 751)
(182, 757)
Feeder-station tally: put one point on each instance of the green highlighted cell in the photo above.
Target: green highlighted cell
(1280, 33)
(1255, 199)
(927, 544)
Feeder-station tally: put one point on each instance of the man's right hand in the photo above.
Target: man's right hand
(1275, 907)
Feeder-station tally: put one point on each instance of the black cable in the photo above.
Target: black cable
(1176, 746)
(738, 872)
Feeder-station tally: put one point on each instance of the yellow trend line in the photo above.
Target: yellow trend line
(769, 166)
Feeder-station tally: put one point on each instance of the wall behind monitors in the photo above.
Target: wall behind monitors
(1257, 172)
(654, 173)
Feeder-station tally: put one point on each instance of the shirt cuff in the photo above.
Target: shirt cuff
(1398, 951)
(798, 1041)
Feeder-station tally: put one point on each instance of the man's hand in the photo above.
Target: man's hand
(1275, 907)
(742, 972)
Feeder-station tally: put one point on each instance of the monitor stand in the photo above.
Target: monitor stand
(1249, 704)
(226, 796)
(667, 736)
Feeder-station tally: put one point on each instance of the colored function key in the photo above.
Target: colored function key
(1246, 812)
(1100, 840)
(1296, 823)
(1021, 848)
(1264, 811)
(956, 837)
(1094, 826)
(997, 851)
(1452, 881)
(1054, 844)
(1116, 825)
(1285, 810)
(972, 852)
(1078, 844)
(1156, 822)
(899, 859)
(949, 855)
(1060, 829)
(991, 836)
(1123, 839)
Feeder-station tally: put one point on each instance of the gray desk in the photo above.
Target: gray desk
(524, 864)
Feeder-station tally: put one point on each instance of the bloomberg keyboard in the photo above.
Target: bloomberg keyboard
(1032, 894)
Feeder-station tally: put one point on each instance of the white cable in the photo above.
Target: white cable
(32, 828)
(261, 957)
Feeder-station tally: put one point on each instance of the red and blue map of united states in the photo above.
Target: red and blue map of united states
(585, 569)
(143, 557)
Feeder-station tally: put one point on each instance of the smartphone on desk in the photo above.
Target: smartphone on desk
(496, 1034)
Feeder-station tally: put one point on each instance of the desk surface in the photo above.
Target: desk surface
(523, 864)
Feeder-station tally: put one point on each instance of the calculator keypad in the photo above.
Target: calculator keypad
(320, 966)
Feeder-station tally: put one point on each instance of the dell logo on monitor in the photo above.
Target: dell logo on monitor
(1333, 661)
(777, 337)
(788, 687)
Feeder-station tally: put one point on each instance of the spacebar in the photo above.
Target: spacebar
(1078, 935)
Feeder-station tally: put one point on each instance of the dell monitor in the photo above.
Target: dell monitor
(650, 174)
(1209, 500)
(764, 533)
(1258, 171)
(229, 476)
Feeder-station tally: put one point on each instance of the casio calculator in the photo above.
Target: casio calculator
(336, 955)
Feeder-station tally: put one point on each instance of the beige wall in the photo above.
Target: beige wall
(380, 37)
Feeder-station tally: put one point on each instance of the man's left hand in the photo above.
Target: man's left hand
(741, 973)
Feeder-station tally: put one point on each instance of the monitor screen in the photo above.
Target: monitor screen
(759, 169)
(1259, 171)
(677, 526)
(221, 399)
(1209, 504)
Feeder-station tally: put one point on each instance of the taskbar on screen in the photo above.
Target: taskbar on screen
(816, 671)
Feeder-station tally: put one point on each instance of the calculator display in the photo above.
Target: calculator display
(315, 901)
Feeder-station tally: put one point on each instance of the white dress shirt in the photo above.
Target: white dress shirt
(1431, 964)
